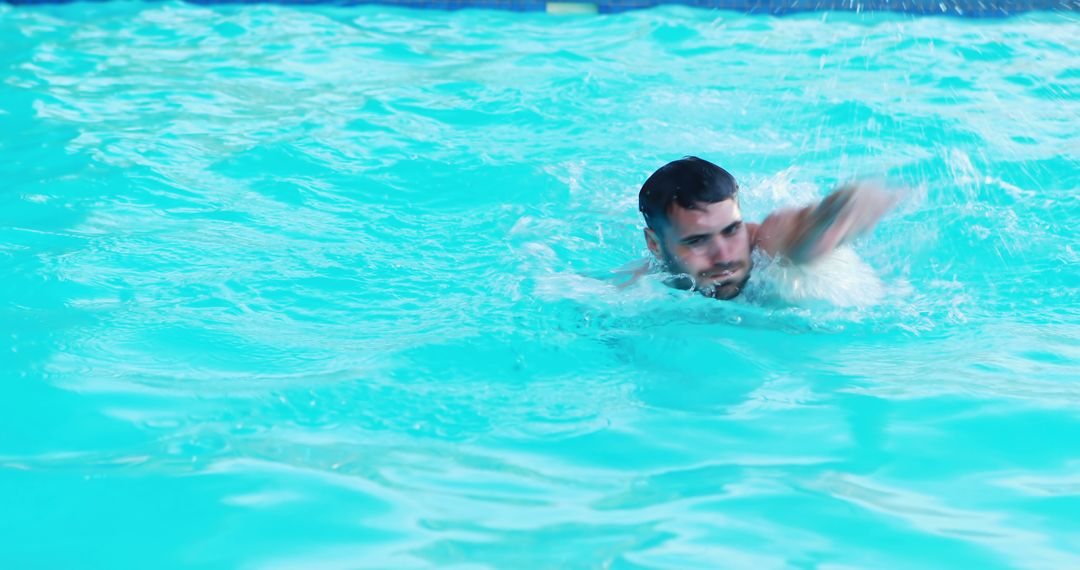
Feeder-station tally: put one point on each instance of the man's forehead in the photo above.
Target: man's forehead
(704, 215)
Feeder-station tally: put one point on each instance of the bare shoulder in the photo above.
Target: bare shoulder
(752, 229)
(630, 273)
(775, 233)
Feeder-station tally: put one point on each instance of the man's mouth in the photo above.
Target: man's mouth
(721, 274)
(718, 275)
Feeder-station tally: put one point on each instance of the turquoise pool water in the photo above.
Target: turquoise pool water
(327, 288)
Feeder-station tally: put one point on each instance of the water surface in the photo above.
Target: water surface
(323, 288)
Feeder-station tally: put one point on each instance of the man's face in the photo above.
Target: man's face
(709, 243)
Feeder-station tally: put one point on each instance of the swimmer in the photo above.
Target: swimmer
(696, 230)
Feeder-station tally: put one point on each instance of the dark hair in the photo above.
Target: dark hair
(687, 182)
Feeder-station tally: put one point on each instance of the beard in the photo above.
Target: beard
(720, 290)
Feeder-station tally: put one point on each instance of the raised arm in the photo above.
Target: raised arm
(805, 234)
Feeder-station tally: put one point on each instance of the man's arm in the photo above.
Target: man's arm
(805, 234)
(631, 272)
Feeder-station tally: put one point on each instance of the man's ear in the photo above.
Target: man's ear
(653, 242)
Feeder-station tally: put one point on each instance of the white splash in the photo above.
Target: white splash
(841, 278)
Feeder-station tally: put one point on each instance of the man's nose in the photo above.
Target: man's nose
(721, 249)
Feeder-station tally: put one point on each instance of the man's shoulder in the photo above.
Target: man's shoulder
(775, 233)
(752, 228)
(629, 274)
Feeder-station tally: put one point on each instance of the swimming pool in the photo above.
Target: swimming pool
(325, 288)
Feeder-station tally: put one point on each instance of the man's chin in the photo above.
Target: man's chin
(724, 290)
(721, 290)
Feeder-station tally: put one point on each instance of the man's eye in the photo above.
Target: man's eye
(694, 241)
(730, 230)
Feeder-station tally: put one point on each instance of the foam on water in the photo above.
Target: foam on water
(840, 278)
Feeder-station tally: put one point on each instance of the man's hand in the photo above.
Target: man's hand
(806, 234)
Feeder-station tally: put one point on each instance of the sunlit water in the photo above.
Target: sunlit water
(329, 288)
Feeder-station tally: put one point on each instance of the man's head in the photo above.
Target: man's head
(695, 227)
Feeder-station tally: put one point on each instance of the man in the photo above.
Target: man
(696, 230)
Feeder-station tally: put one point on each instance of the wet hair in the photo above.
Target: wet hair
(688, 182)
